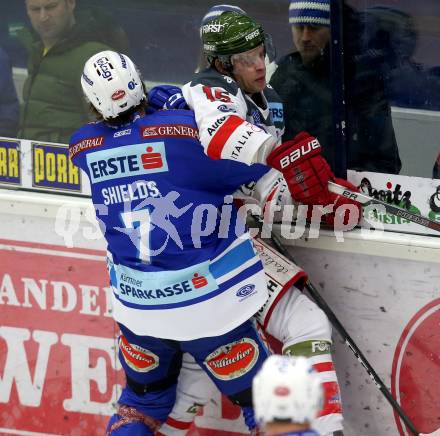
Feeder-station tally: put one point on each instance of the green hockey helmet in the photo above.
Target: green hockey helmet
(231, 33)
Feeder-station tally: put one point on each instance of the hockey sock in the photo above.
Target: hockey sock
(141, 414)
(319, 353)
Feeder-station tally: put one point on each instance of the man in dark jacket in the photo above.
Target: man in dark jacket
(303, 81)
(53, 102)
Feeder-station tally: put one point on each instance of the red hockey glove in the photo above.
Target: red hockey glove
(307, 175)
(306, 172)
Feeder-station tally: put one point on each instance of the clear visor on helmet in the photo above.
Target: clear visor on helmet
(251, 58)
(254, 57)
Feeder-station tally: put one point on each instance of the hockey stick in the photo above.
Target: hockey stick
(390, 208)
(322, 304)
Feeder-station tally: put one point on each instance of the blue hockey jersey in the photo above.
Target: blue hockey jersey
(181, 263)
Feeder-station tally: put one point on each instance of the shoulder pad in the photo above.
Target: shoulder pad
(211, 77)
(179, 123)
(89, 136)
(271, 95)
(170, 116)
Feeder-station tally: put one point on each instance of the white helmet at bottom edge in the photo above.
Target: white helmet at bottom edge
(287, 389)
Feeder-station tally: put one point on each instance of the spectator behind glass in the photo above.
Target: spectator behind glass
(9, 107)
(303, 81)
(58, 47)
(391, 35)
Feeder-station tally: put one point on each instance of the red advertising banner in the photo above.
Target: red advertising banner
(59, 371)
(58, 366)
(416, 369)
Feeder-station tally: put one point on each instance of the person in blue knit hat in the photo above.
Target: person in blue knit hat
(303, 81)
(312, 12)
(310, 23)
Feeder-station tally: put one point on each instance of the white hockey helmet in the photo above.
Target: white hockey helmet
(287, 389)
(111, 83)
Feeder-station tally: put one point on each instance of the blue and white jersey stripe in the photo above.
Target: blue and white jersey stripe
(231, 287)
(156, 290)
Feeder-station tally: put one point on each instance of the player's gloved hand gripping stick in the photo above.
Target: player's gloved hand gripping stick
(307, 175)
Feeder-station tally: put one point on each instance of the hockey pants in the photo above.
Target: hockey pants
(152, 368)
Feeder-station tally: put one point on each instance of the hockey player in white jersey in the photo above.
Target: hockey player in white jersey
(287, 396)
(294, 320)
(222, 107)
(240, 118)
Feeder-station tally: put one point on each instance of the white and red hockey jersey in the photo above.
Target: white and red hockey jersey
(232, 124)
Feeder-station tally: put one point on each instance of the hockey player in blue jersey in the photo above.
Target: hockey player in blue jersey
(184, 273)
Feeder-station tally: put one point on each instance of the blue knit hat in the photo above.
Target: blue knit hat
(217, 10)
(310, 13)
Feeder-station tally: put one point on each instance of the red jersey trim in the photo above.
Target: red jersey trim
(218, 141)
